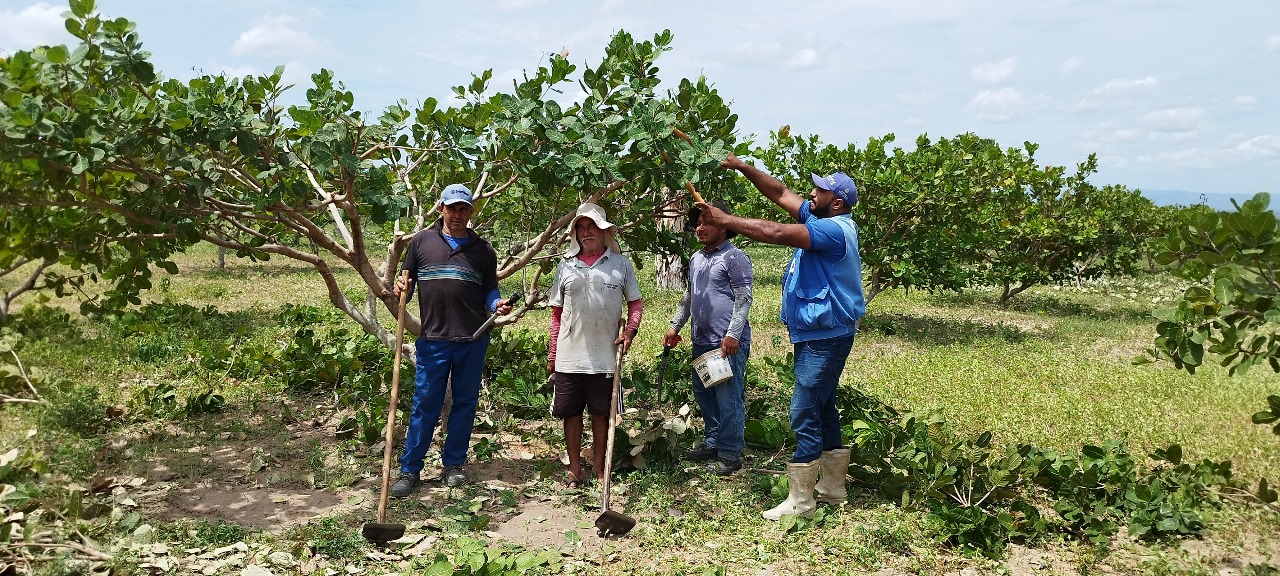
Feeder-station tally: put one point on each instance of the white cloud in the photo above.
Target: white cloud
(1245, 101)
(1263, 148)
(755, 50)
(275, 36)
(1260, 146)
(1124, 135)
(1174, 120)
(451, 57)
(239, 71)
(1104, 135)
(916, 98)
(517, 5)
(993, 72)
(1004, 104)
(1120, 92)
(1126, 85)
(1070, 65)
(1114, 162)
(803, 59)
(37, 25)
(1273, 42)
(772, 54)
(1172, 135)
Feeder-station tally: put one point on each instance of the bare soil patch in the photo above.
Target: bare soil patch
(260, 477)
(265, 508)
(546, 523)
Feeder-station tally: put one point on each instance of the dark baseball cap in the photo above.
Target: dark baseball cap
(840, 184)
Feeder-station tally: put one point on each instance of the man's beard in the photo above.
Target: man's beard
(819, 212)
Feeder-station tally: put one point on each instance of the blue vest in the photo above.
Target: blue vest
(822, 290)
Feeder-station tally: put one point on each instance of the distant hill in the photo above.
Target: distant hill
(1215, 200)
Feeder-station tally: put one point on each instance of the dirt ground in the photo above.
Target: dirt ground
(265, 482)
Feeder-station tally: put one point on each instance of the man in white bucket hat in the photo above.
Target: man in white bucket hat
(716, 302)
(592, 283)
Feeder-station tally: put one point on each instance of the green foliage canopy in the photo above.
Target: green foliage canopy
(960, 211)
(140, 167)
(1229, 310)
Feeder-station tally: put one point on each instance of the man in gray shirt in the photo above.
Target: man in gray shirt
(718, 299)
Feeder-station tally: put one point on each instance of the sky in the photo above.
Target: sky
(1170, 94)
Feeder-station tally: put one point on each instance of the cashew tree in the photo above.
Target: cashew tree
(156, 165)
(962, 211)
(1230, 261)
(921, 214)
(1055, 227)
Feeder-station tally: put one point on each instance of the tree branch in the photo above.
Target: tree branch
(333, 210)
(25, 286)
(22, 260)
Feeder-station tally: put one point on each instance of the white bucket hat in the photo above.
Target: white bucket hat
(596, 214)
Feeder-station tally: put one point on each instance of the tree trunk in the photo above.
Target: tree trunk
(222, 257)
(670, 269)
(670, 272)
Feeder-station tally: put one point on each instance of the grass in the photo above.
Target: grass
(1051, 369)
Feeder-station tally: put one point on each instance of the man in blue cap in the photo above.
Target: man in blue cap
(456, 272)
(822, 302)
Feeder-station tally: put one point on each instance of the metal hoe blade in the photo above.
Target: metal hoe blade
(382, 532)
(612, 523)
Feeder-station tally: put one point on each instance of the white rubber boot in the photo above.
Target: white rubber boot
(800, 481)
(835, 466)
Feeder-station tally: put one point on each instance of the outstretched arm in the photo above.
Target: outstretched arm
(772, 189)
(793, 235)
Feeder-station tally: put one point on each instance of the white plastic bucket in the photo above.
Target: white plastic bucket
(712, 368)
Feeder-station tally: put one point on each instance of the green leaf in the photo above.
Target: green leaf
(22, 117)
(74, 28)
(1173, 454)
(56, 54)
(82, 8)
(441, 567)
(1265, 493)
(1265, 417)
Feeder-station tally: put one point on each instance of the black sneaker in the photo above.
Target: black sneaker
(404, 485)
(701, 453)
(454, 476)
(723, 467)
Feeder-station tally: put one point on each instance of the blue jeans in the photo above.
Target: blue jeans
(436, 361)
(724, 405)
(813, 402)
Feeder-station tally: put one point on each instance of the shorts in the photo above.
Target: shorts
(573, 392)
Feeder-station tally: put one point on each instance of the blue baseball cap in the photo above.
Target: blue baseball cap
(455, 193)
(840, 184)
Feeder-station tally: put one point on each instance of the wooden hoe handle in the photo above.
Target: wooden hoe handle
(392, 403)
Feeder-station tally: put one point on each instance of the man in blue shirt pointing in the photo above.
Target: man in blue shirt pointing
(822, 302)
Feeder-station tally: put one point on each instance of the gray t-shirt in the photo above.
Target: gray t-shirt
(714, 276)
(593, 298)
